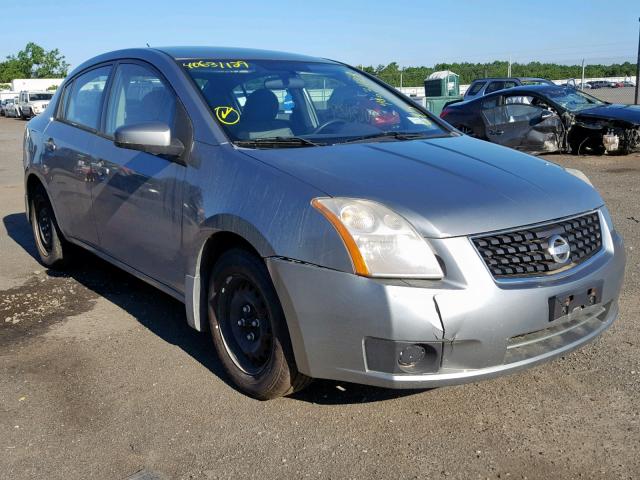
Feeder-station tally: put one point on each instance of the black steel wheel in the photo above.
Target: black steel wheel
(247, 335)
(53, 251)
(249, 329)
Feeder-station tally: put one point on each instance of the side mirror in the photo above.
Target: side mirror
(150, 137)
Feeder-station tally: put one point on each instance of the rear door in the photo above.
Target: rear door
(67, 157)
(138, 199)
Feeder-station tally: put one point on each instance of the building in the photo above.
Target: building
(34, 84)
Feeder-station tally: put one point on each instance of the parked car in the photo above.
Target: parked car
(31, 104)
(484, 86)
(542, 118)
(310, 238)
(623, 84)
(3, 104)
(10, 108)
(600, 84)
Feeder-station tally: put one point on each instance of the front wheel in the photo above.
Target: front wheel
(249, 329)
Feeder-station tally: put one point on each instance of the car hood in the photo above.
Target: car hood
(627, 113)
(445, 187)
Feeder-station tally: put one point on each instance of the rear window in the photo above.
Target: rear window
(40, 96)
(475, 88)
(84, 98)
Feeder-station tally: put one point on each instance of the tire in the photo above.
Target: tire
(53, 250)
(249, 329)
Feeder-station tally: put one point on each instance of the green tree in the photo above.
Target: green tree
(415, 76)
(34, 62)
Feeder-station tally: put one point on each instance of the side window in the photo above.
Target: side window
(490, 102)
(475, 88)
(509, 85)
(518, 112)
(139, 95)
(84, 99)
(494, 87)
(320, 88)
(519, 99)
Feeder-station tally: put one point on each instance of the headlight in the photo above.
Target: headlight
(579, 174)
(607, 218)
(380, 242)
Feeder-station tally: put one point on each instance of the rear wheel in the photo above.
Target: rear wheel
(53, 250)
(249, 329)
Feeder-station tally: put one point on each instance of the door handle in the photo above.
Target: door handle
(50, 145)
(496, 132)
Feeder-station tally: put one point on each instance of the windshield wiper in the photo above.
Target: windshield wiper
(390, 134)
(271, 142)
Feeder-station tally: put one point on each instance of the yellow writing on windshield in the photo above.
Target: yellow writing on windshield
(227, 115)
(379, 99)
(229, 64)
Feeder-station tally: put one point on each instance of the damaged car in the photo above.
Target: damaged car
(545, 119)
(316, 222)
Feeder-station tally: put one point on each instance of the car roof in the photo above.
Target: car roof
(234, 53)
(522, 89)
(196, 52)
(511, 78)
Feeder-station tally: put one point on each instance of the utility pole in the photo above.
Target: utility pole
(638, 70)
(582, 81)
(509, 68)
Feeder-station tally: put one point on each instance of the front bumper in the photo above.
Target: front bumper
(480, 327)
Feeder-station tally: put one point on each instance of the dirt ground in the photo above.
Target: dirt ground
(100, 377)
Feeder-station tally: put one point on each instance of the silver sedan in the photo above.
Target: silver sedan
(318, 223)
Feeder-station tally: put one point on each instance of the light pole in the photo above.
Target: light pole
(638, 70)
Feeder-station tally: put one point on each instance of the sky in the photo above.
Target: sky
(372, 32)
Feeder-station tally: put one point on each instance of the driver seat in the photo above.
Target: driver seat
(259, 117)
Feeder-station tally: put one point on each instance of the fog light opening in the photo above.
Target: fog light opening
(411, 355)
(400, 357)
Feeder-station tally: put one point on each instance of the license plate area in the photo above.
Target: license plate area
(562, 305)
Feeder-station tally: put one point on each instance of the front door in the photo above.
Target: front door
(138, 200)
(523, 126)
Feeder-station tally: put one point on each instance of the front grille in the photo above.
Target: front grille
(523, 252)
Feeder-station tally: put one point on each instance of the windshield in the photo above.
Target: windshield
(40, 96)
(573, 100)
(312, 103)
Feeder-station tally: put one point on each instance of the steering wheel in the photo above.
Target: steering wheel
(326, 124)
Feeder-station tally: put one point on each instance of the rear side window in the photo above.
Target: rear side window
(139, 95)
(475, 88)
(494, 87)
(84, 98)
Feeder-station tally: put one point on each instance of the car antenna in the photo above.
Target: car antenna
(148, 45)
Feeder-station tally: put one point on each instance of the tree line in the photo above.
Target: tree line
(33, 61)
(415, 76)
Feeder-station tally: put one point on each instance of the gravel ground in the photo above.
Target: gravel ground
(614, 95)
(101, 378)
